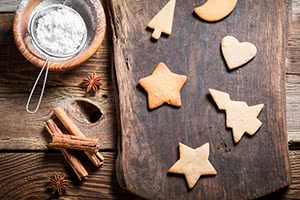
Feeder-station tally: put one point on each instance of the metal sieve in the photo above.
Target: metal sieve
(32, 29)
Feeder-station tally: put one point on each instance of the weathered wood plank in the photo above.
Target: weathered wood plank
(293, 71)
(9, 5)
(293, 105)
(293, 54)
(25, 176)
(293, 191)
(27, 131)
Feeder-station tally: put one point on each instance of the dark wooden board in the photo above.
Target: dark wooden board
(149, 140)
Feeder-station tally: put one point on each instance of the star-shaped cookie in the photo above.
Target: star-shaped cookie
(163, 86)
(239, 116)
(193, 163)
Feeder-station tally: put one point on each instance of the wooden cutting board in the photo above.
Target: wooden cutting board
(148, 141)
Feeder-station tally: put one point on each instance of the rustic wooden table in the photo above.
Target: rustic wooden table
(25, 161)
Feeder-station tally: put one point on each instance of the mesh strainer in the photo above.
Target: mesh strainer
(33, 25)
(32, 29)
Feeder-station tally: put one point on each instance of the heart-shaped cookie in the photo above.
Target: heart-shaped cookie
(235, 53)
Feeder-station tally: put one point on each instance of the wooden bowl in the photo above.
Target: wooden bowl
(92, 13)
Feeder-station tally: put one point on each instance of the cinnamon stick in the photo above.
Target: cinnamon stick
(96, 158)
(76, 165)
(75, 142)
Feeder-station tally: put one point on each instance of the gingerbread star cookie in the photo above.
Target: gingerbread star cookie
(193, 163)
(235, 53)
(239, 116)
(163, 86)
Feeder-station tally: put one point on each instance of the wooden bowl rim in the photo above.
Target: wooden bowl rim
(68, 64)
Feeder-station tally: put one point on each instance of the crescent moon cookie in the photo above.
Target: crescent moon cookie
(163, 86)
(215, 10)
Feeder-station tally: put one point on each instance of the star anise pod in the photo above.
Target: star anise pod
(92, 82)
(58, 183)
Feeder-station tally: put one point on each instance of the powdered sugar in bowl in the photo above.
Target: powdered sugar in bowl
(65, 32)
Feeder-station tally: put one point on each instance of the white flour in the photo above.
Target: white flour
(60, 31)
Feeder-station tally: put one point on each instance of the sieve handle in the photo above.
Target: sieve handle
(46, 65)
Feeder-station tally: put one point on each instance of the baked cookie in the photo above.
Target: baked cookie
(235, 53)
(239, 116)
(163, 86)
(163, 20)
(193, 163)
(215, 10)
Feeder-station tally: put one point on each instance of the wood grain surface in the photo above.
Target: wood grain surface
(20, 130)
(26, 176)
(293, 74)
(65, 85)
(149, 139)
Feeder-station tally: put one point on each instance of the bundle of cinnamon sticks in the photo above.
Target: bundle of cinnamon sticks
(76, 141)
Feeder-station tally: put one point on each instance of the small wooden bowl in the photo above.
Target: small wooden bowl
(92, 13)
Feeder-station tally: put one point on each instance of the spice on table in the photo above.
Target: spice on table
(96, 158)
(92, 82)
(75, 142)
(58, 183)
(76, 165)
